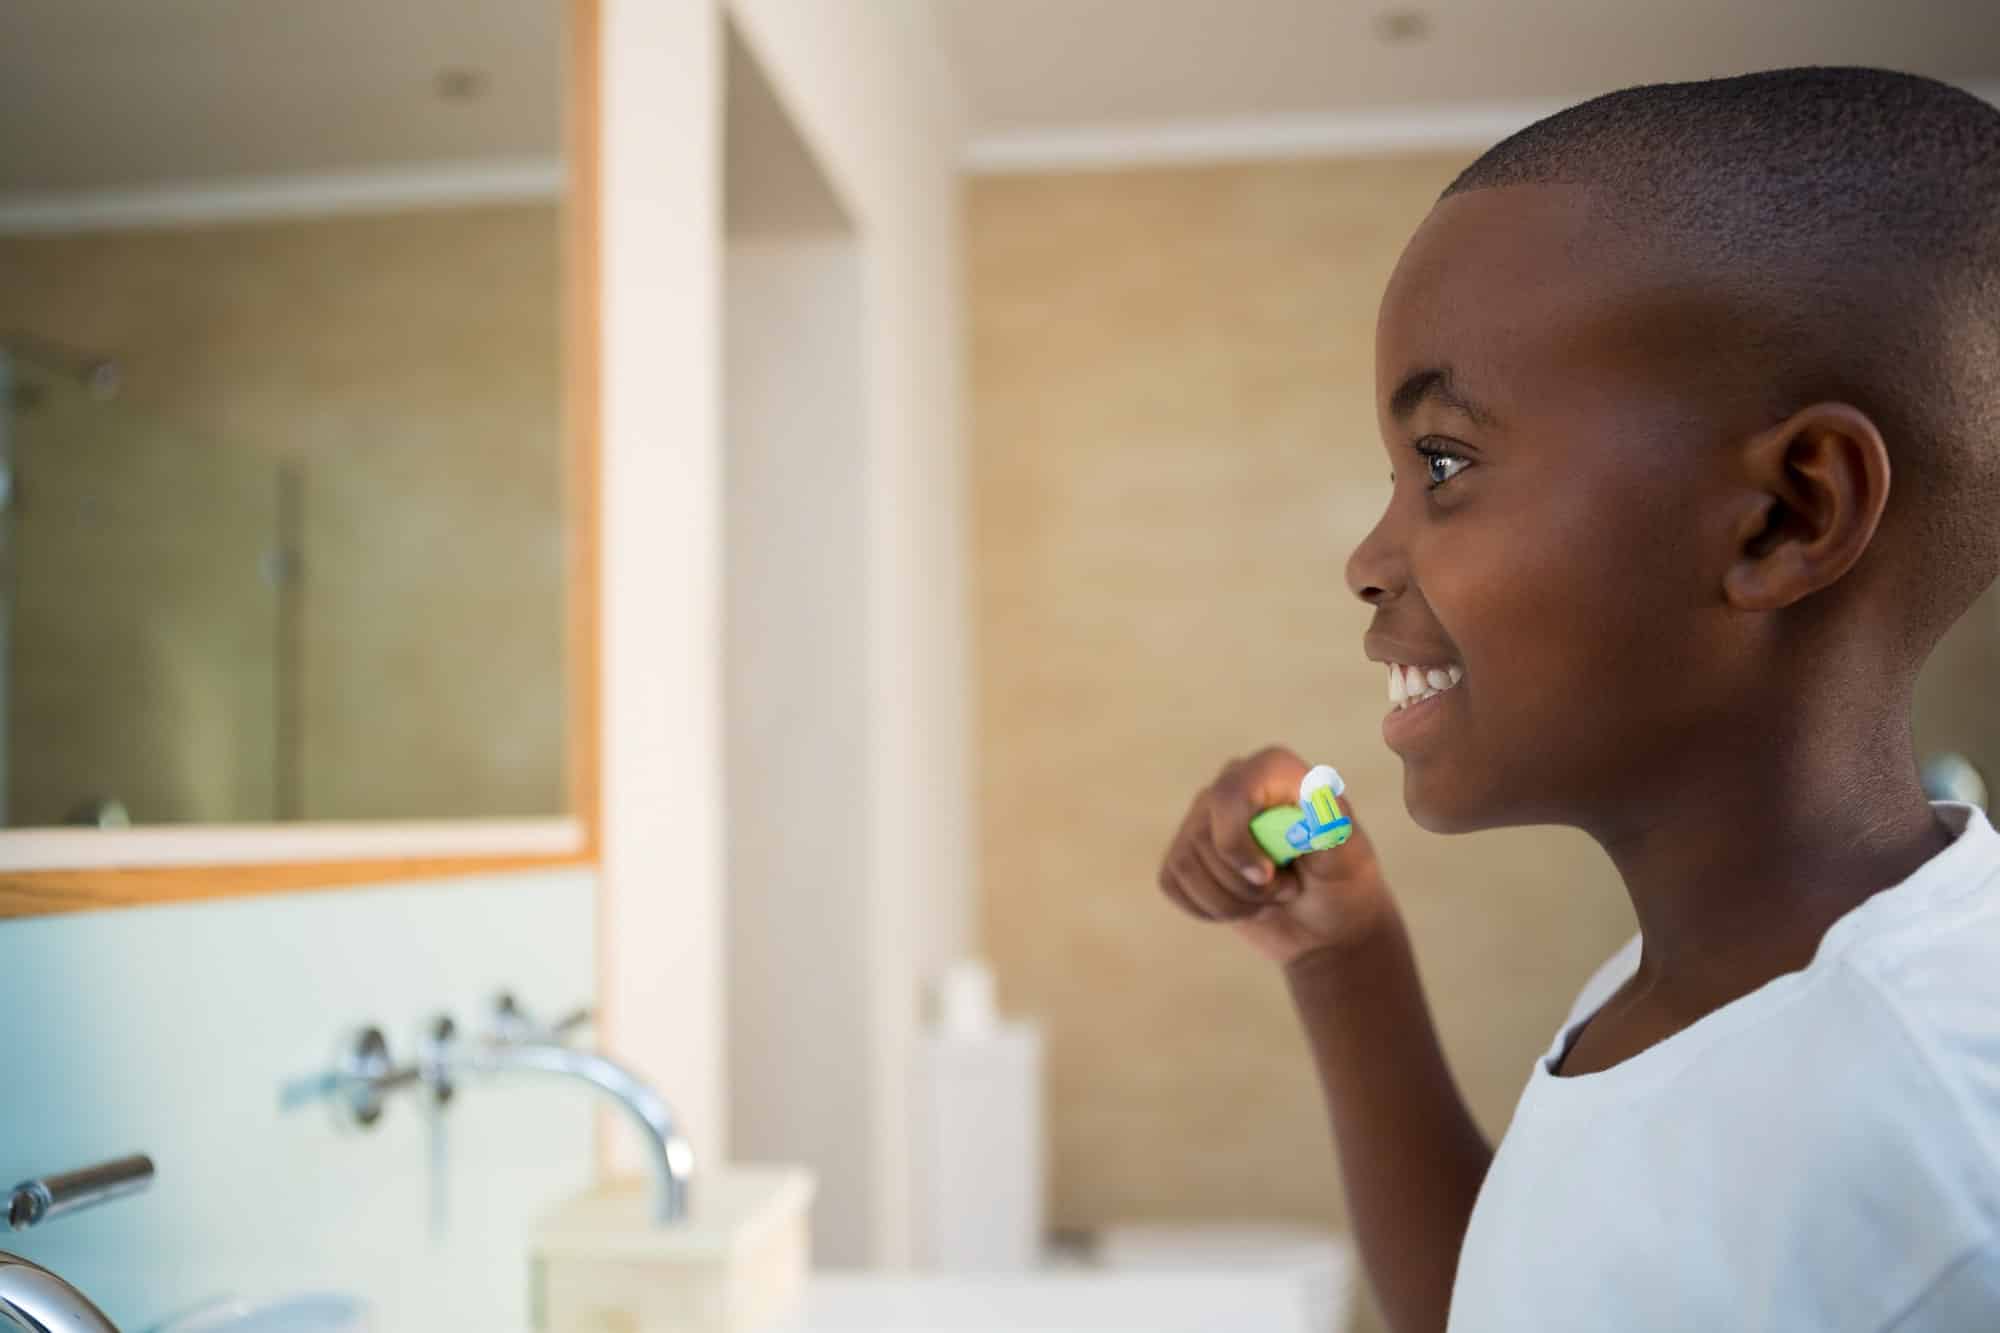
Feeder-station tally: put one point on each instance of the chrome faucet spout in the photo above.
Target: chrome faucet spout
(364, 1075)
(37, 1301)
(672, 1158)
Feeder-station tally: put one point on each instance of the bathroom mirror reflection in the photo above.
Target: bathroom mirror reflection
(282, 531)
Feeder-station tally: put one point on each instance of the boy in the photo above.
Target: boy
(1691, 395)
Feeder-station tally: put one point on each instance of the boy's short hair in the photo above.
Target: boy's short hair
(1851, 218)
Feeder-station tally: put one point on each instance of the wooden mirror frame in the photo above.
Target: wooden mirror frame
(338, 855)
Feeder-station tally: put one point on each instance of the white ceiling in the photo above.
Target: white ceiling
(123, 93)
(1033, 66)
(97, 93)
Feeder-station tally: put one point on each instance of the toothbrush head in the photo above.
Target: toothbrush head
(1323, 777)
(1326, 826)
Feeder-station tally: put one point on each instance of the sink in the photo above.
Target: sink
(1055, 1302)
(306, 1312)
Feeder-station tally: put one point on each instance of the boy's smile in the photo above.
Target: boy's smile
(1542, 552)
(1415, 695)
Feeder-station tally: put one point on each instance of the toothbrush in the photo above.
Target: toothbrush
(1287, 832)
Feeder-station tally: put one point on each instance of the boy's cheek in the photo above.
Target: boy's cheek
(1559, 587)
(1562, 661)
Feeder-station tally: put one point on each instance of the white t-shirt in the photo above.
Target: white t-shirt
(1823, 1153)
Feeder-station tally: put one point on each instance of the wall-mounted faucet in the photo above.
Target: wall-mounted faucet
(515, 1045)
(31, 1297)
(448, 1057)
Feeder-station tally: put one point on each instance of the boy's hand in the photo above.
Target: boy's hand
(1215, 870)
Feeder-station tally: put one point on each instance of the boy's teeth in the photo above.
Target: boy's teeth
(1409, 685)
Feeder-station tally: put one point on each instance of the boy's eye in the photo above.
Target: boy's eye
(1440, 464)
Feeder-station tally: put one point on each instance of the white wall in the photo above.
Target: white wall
(865, 83)
(660, 939)
(797, 722)
(176, 1031)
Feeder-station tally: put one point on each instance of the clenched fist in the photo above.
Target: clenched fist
(1214, 869)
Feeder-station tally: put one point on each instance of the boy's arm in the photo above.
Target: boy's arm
(1411, 1157)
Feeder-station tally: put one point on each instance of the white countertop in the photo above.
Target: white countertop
(1061, 1302)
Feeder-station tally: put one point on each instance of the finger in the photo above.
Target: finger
(1192, 843)
(1177, 889)
(1173, 872)
(1229, 816)
(1271, 776)
(1169, 878)
(1170, 886)
(1233, 880)
(1246, 788)
(1286, 886)
(1204, 892)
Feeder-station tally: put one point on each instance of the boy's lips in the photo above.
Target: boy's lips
(1411, 721)
(1419, 678)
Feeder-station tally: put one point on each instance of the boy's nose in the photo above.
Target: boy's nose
(1376, 570)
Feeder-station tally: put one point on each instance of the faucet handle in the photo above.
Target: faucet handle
(580, 1017)
(513, 1025)
(34, 1202)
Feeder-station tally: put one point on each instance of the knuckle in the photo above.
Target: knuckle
(1229, 810)
(1275, 759)
(1230, 788)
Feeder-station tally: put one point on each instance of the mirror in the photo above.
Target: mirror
(284, 535)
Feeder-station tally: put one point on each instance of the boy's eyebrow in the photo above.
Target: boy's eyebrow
(1435, 382)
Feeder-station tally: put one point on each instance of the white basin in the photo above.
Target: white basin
(1056, 1302)
(307, 1312)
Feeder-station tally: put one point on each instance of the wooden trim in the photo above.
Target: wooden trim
(295, 842)
(44, 892)
(583, 425)
(41, 892)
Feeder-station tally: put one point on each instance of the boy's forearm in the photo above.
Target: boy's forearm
(1411, 1157)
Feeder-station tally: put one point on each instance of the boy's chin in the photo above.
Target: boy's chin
(1441, 806)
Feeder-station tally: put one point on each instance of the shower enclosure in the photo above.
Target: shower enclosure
(145, 608)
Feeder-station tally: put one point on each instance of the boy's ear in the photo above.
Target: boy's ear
(1816, 484)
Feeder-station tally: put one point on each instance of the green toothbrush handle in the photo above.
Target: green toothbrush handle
(1268, 828)
(1286, 832)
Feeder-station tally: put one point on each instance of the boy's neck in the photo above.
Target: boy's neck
(1736, 879)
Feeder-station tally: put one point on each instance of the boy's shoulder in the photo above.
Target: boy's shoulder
(1826, 1146)
(1928, 952)
(1896, 1021)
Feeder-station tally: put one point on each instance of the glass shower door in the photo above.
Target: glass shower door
(143, 584)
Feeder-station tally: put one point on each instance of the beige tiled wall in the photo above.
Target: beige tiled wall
(410, 364)
(1174, 451)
